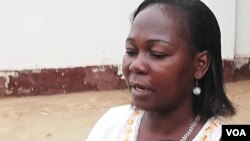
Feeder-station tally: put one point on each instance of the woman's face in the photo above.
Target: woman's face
(158, 64)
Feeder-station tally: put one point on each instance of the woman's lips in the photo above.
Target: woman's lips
(140, 90)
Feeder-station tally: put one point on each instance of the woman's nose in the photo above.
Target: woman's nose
(139, 65)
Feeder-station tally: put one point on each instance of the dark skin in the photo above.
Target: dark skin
(160, 69)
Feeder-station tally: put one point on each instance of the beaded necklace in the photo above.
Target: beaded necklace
(136, 118)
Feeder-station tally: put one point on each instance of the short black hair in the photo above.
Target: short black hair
(204, 34)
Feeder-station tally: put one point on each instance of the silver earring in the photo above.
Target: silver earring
(197, 89)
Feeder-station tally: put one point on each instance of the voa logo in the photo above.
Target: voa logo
(236, 132)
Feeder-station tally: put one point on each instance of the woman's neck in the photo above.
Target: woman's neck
(165, 125)
(159, 121)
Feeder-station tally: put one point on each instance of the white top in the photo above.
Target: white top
(116, 125)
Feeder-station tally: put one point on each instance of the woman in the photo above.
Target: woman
(173, 68)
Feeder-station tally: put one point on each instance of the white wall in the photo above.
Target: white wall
(224, 11)
(63, 33)
(73, 33)
(242, 28)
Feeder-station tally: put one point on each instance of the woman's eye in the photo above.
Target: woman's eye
(158, 55)
(131, 52)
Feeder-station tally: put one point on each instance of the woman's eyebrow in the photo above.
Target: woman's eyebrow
(130, 39)
(151, 41)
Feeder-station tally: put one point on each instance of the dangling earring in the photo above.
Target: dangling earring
(197, 89)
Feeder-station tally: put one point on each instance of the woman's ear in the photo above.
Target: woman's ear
(203, 60)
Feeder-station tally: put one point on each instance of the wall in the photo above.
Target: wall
(242, 28)
(242, 46)
(224, 11)
(65, 33)
(51, 46)
(56, 34)
(233, 17)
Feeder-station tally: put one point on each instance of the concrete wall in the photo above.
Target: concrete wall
(62, 33)
(61, 46)
(66, 33)
(242, 28)
(242, 40)
(225, 12)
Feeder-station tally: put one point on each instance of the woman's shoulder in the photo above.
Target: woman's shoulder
(113, 120)
(122, 111)
(116, 114)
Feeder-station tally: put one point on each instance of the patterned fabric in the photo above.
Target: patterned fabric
(120, 124)
(213, 128)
